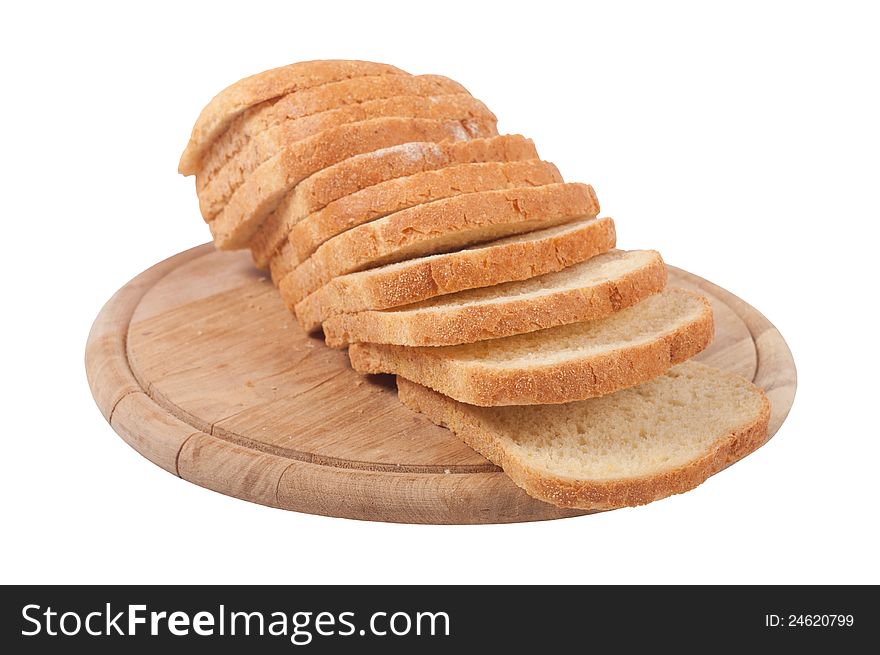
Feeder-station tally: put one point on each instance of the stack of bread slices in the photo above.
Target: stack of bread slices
(393, 216)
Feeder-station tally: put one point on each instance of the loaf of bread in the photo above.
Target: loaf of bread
(393, 216)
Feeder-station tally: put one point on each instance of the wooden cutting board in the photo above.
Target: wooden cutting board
(199, 367)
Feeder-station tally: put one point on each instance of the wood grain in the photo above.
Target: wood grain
(197, 364)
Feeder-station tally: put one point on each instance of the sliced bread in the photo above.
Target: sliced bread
(584, 292)
(560, 364)
(281, 264)
(308, 102)
(512, 258)
(442, 225)
(266, 186)
(404, 192)
(237, 98)
(214, 192)
(365, 170)
(663, 437)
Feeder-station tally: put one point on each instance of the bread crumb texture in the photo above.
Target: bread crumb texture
(637, 445)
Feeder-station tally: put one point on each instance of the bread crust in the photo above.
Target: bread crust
(279, 265)
(215, 191)
(421, 229)
(402, 193)
(429, 277)
(568, 381)
(598, 495)
(308, 102)
(236, 98)
(367, 170)
(467, 324)
(265, 187)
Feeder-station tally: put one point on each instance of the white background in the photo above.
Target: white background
(743, 143)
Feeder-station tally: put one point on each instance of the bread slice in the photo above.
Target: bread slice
(584, 292)
(560, 364)
(404, 192)
(512, 258)
(372, 168)
(262, 87)
(663, 437)
(266, 186)
(213, 192)
(440, 226)
(280, 265)
(313, 101)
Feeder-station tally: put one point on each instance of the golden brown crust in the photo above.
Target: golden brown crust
(404, 192)
(215, 191)
(367, 170)
(245, 93)
(466, 423)
(448, 326)
(428, 277)
(438, 225)
(574, 379)
(308, 102)
(264, 188)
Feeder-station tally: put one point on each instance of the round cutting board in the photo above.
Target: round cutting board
(199, 367)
